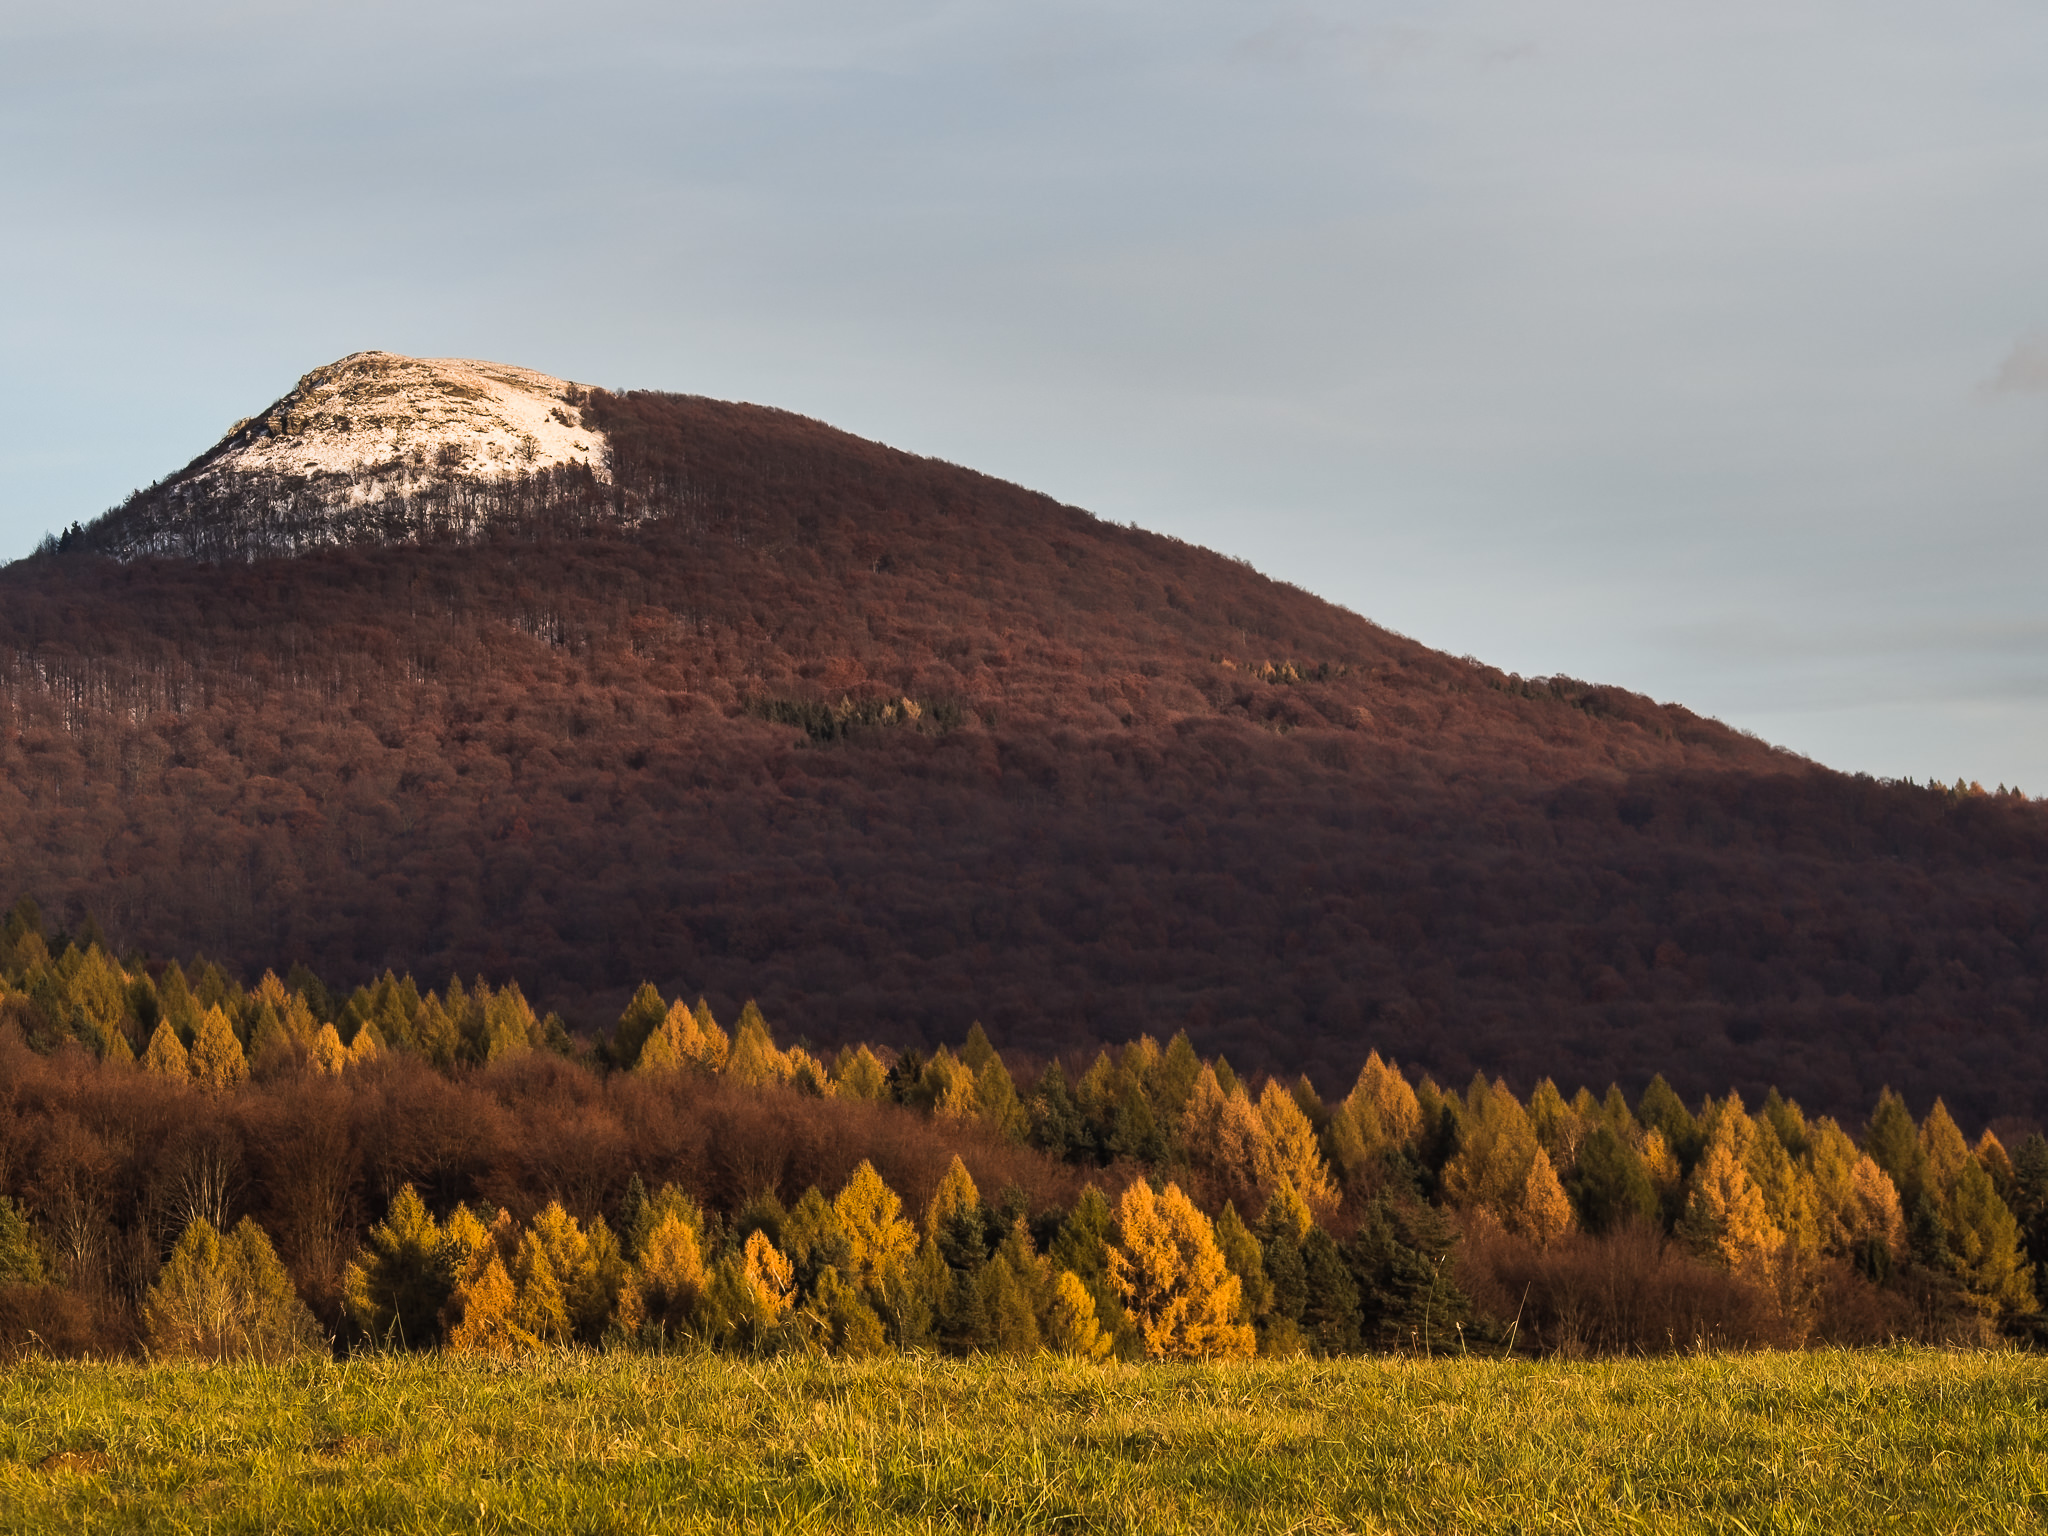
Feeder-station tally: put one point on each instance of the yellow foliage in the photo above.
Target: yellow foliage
(224, 1297)
(1542, 1213)
(328, 1055)
(753, 1059)
(483, 1307)
(1382, 1109)
(1173, 1280)
(769, 1277)
(165, 1056)
(1945, 1151)
(860, 1074)
(956, 1192)
(1290, 1151)
(217, 1061)
(879, 1241)
(1724, 1216)
(1071, 1325)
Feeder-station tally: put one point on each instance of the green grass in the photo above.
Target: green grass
(1884, 1440)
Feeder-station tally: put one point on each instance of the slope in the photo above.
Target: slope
(891, 746)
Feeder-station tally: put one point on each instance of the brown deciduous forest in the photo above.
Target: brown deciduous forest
(891, 747)
(192, 1166)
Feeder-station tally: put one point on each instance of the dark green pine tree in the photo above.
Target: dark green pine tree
(1057, 1125)
(1330, 1310)
(632, 1213)
(1286, 1277)
(1660, 1109)
(1247, 1261)
(963, 1322)
(1401, 1258)
(1893, 1142)
(1610, 1187)
(1134, 1131)
(642, 1017)
(1083, 1246)
(2030, 1204)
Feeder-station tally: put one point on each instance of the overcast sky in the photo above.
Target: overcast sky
(1696, 347)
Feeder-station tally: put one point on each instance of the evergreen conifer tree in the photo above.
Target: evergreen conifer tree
(1610, 1187)
(1408, 1292)
(398, 1282)
(1057, 1124)
(1893, 1143)
(1241, 1251)
(21, 1258)
(641, 1018)
(1330, 1310)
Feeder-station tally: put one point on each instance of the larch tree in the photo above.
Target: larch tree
(1893, 1142)
(754, 1060)
(542, 1305)
(956, 1192)
(328, 1056)
(1381, 1115)
(1724, 1216)
(860, 1074)
(641, 1018)
(1985, 1239)
(669, 1279)
(1610, 1186)
(1943, 1154)
(1072, 1327)
(1787, 1186)
(1173, 1280)
(878, 1239)
(1542, 1213)
(217, 1060)
(164, 1056)
(221, 1298)
(1292, 1153)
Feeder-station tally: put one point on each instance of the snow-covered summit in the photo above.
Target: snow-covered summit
(376, 449)
(377, 409)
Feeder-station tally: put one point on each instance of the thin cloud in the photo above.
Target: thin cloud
(2025, 371)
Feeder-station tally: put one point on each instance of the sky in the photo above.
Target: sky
(1700, 348)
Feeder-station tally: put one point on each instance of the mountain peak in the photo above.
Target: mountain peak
(373, 410)
(374, 448)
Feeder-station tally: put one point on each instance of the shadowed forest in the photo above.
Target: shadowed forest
(891, 747)
(189, 1166)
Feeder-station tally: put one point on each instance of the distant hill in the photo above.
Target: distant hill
(719, 697)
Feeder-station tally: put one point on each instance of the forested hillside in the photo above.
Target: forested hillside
(892, 747)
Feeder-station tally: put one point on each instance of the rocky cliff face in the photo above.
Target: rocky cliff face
(375, 448)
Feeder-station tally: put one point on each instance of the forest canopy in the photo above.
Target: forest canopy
(193, 1166)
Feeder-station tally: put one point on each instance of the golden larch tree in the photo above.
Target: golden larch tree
(1172, 1278)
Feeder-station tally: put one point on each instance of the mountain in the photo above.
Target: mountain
(716, 696)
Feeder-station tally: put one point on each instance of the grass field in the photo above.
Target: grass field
(1877, 1441)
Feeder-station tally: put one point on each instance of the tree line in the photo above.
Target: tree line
(191, 1165)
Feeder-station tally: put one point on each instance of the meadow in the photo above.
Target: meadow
(1895, 1440)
